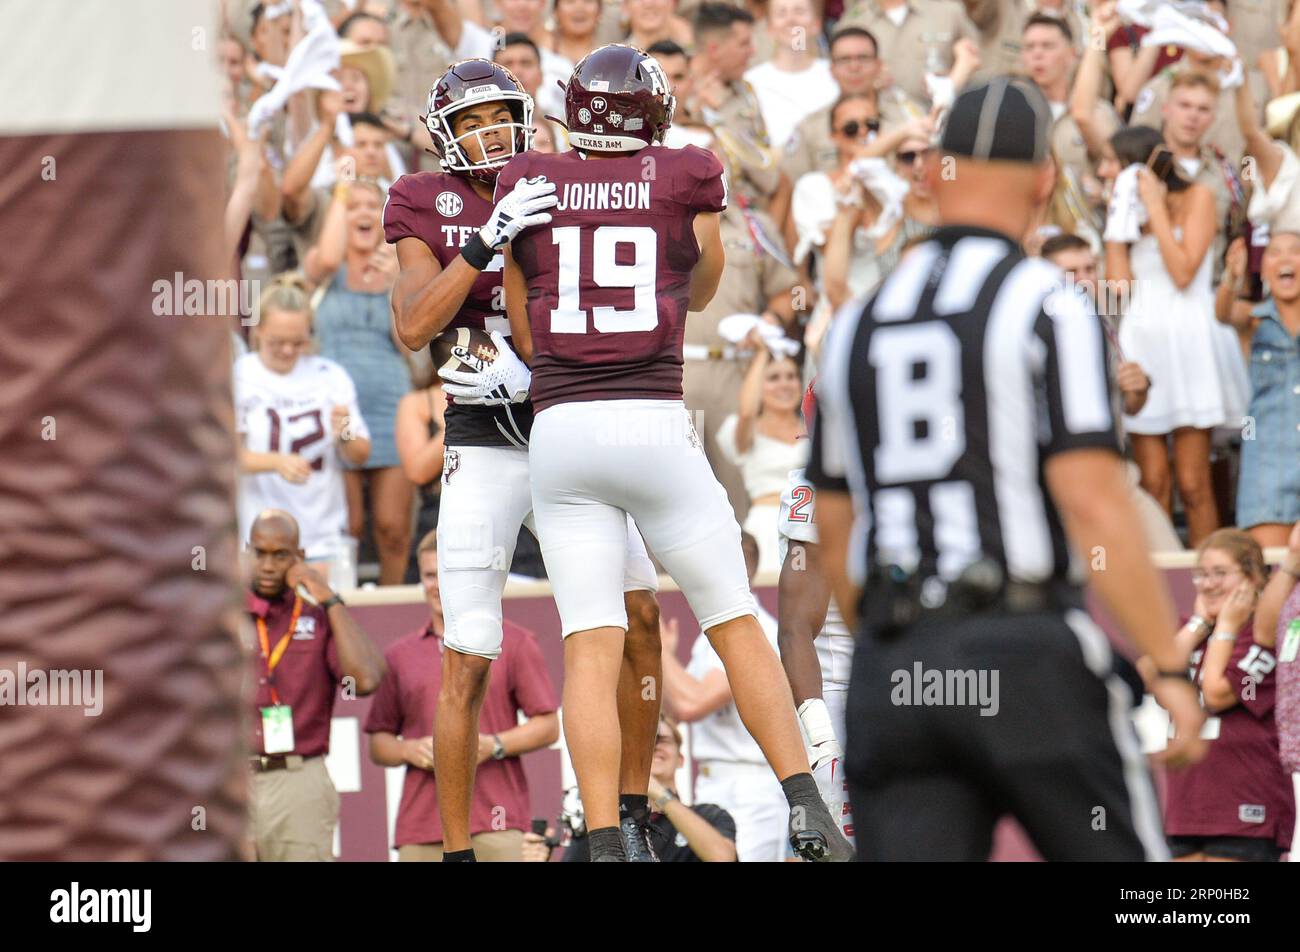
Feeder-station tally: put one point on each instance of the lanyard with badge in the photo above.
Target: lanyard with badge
(277, 720)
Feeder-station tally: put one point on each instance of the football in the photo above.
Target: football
(463, 348)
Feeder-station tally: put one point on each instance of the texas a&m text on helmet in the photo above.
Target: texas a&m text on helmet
(617, 100)
(475, 82)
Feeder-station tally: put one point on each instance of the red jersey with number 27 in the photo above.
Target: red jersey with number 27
(609, 277)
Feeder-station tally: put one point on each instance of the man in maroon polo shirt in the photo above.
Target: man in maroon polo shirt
(301, 653)
(400, 725)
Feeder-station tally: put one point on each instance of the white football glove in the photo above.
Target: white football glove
(522, 208)
(505, 380)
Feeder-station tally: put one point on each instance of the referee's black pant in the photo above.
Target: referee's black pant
(1055, 748)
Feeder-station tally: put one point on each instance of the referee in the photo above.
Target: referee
(966, 420)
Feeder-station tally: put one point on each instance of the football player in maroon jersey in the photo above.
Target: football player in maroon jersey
(449, 236)
(597, 298)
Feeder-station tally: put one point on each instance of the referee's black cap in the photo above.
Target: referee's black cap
(1006, 119)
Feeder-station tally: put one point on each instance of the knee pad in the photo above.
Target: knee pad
(473, 632)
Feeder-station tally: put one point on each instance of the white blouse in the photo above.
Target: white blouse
(766, 466)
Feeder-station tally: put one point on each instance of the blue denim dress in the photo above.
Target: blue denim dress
(352, 328)
(1269, 487)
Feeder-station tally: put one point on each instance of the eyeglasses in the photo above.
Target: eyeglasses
(911, 155)
(853, 127)
(1216, 576)
(277, 343)
(860, 60)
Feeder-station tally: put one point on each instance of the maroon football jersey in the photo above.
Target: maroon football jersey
(609, 277)
(445, 212)
(1239, 789)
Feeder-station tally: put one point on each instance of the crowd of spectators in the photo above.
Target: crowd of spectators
(1176, 209)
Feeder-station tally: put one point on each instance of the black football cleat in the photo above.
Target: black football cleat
(815, 838)
(635, 841)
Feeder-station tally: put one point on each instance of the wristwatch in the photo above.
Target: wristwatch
(663, 801)
(1198, 623)
(498, 748)
(335, 599)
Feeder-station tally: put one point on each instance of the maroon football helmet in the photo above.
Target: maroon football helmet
(617, 100)
(473, 82)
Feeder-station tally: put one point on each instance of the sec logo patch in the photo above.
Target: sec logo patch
(448, 204)
(584, 115)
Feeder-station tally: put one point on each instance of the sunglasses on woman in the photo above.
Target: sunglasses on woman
(853, 127)
(911, 155)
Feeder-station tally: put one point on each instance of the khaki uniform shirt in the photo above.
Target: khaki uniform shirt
(1000, 24)
(741, 116)
(1256, 27)
(421, 56)
(750, 278)
(929, 29)
(1068, 145)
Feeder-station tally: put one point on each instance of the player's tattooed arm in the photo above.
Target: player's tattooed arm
(427, 296)
(804, 594)
(516, 291)
(707, 272)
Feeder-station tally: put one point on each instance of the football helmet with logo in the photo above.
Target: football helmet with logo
(475, 82)
(617, 100)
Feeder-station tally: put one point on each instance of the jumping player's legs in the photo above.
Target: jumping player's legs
(584, 545)
(638, 696)
(641, 457)
(484, 501)
(638, 691)
(642, 671)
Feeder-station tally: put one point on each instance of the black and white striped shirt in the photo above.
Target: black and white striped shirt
(942, 398)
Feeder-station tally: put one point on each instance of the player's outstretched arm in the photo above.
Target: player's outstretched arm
(427, 296)
(834, 523)
(707, 272)
(804, 593)
(1098, 514)
(516, 290)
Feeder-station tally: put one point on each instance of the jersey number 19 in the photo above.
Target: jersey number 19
(569, 317)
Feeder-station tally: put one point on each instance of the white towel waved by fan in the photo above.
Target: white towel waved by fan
(1126, 214)
(736, 327)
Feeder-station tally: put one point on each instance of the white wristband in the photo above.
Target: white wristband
(816, 720)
